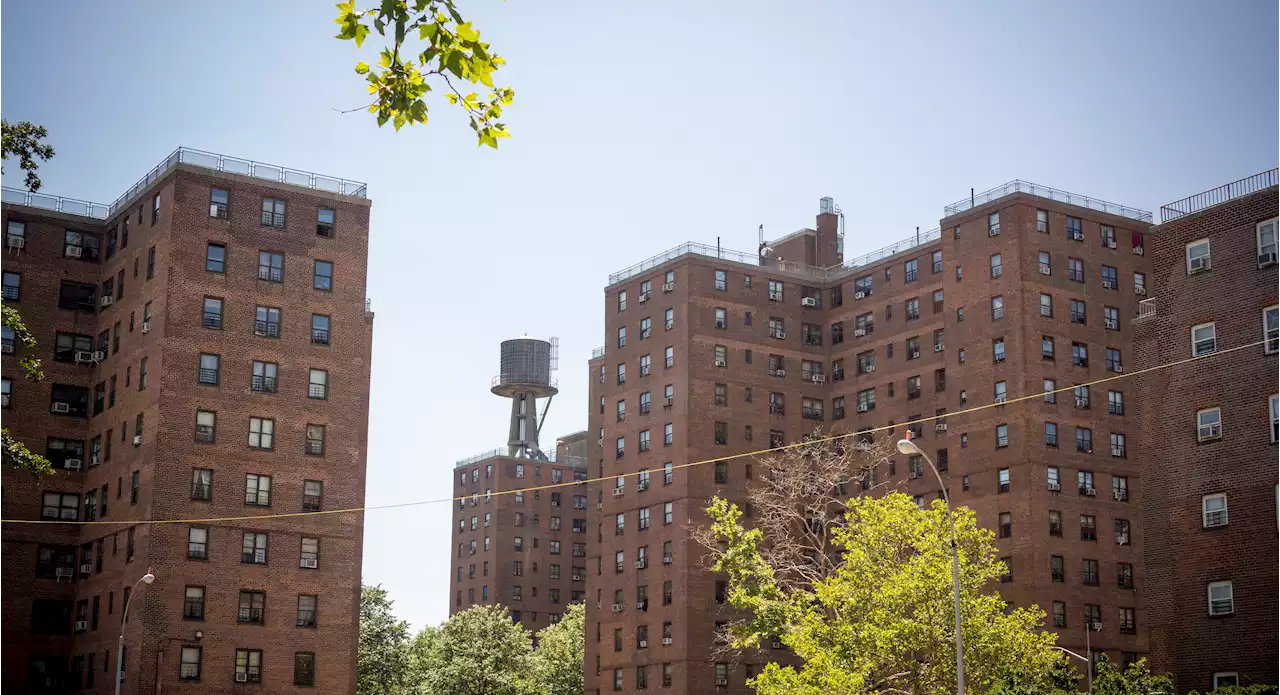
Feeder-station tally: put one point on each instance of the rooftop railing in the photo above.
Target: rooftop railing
(1018, 186)
(57, 203)
(597, 353)
(1217, 196)
(502, 452)
(782, 266)
(247, 167)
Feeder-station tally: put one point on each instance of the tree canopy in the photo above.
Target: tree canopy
(384, 658)
(451, 50)
(560, 659)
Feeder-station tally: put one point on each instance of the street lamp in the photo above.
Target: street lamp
(909, 448)
(144, 579)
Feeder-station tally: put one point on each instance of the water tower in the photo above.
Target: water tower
(527, 364)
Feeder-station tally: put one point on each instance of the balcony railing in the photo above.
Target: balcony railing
(1146, 309)
(1219, 195)
(316, 391)
(1037, 190)
(263, 384)
(270, 329)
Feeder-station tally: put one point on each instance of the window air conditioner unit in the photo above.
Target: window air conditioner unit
(1139, 289)
(86, 568)
(640, 605)
(1111, 243)
(668, 287)
(666, 641)
(617, 608)
(1090, 492)
(779, 372)
(74, 251)
(670, 401)
(617, 491)
(146, 327)
(940, 427)
(861, 408)
(1055, 487)
(780, 335)
(106, 300)
(17, 242)
(1045, 270)
(722, 682)
(1138, 251)
(1210, 432)
(915, 354)
(82, 625)
(137, 440)
(644, 297)
(309, 563)
(721, 363)
(1267, 258)
(1082, 402)
(644, 644)
(8, 348)
(63, 573)
(859, 295)
(242, 678)
(938, 347)
(1112, 324)
(60, 407)
(93, 460)
(819, 378)
(83, 356)
(808, 301)
(72, 464)
(859, 332)
(666, 560)
(870, 368)
(776, 644)
(639, 564)
(1199, 264)
(1120, 495)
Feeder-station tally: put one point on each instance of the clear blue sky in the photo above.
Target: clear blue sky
(637, 126)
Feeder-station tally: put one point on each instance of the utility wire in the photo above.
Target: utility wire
(576, 483)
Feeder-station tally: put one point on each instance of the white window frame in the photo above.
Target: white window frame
(1273, 406)
(1231, 595)
(1210, 325)
(1205, 512)
(1225, 674)
(1275, 238)
(1270, 345)
(1205, 430)
(1208, 255)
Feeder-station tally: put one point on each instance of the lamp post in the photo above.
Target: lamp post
(1088, 660)
(908, 447)
(144, 579)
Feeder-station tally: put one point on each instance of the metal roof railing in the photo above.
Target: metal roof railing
(57, 203)
(1018, 186)
(1217, 196)
(247, 167)
(597, 353)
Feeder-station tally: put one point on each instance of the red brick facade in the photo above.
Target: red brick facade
(726, 395)
(1192, 541)
(161, 255)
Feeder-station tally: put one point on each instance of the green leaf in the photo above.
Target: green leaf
(362, 68)
(361, 32)
(466, 33)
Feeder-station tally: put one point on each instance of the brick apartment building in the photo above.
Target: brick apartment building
(524, 550)
(206, 349)
(1210, 437)
(712, 352)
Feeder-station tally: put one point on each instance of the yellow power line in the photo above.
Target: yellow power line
(729, 457)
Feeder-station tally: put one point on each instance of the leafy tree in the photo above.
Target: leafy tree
(1253, 689)
(560, 658)
(880, 618)
(453, 51)
(383, 661)
(23, 141)
(479, 651)
(1137, 679)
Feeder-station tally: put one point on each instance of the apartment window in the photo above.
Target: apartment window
(937, 262)
(997, 268)
(1271, 329)
(1221, 679)
(1006, 524)
(212, 313)
(669, 357)
(12, 286)
(1198, 257)
(1089, 573)
(722, 281)
(1079, 311)
(1221, 599)
(1059, 614)
(313, 494)
(1080, 354)
(862, 287)
(1074, 232)
(1122, 532)
(1118, 449)
(16, 235)
(315, 443)
(1088, 527)
(267, 322)
(209, 369)
(270, 266)
(261, 433)
(667, 473)
(263, 377)
(322, 276)
(188, 668)
(319, 329)
(202, 484)
(1055, 523)
(206, 426)
(1204, 339)
(257, 490)
(997, 350)
(215, 258)
(997, 308)
(1214, 510)
(1002, 436)
(776, 289)
(197, 543)
(912, 270)
(993, 224)
(1057, 569)
(1120, 488)
(273, 212)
